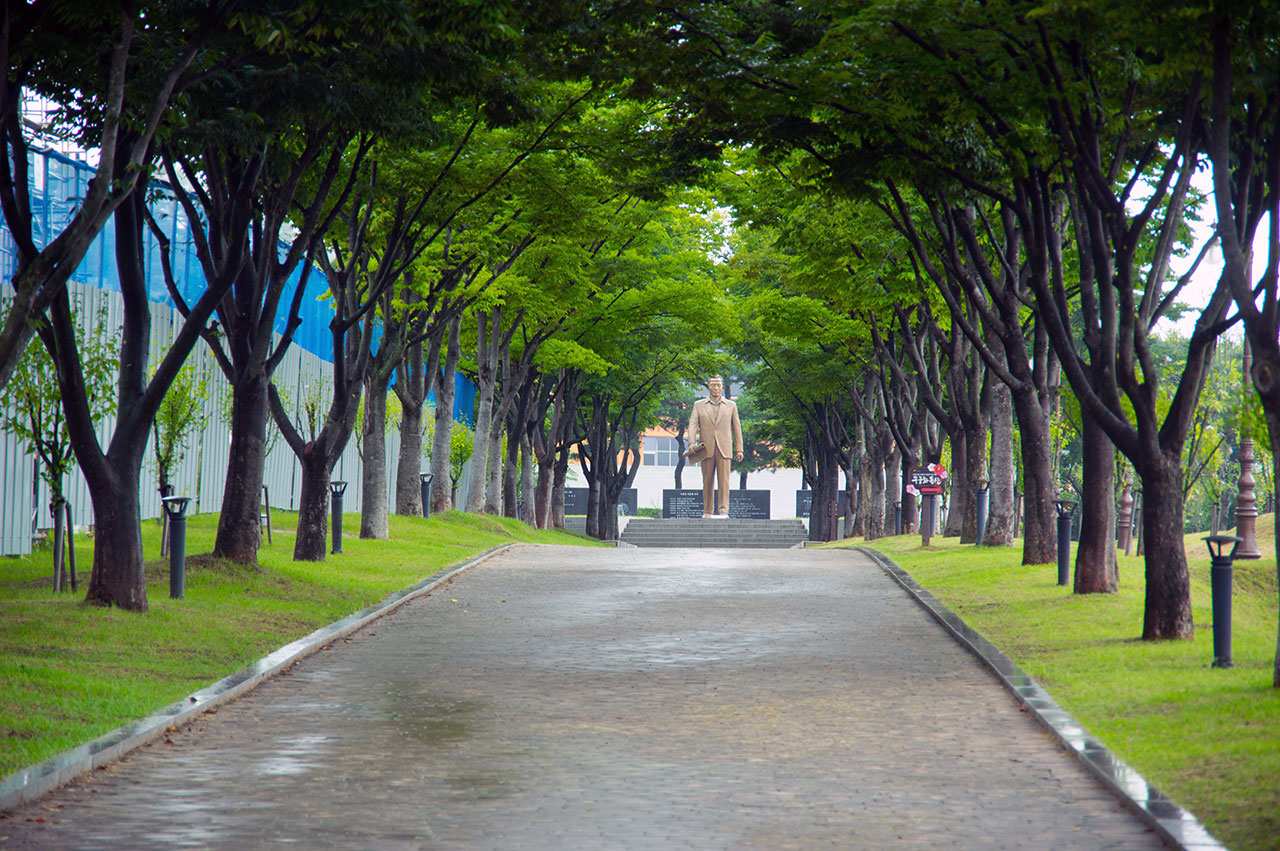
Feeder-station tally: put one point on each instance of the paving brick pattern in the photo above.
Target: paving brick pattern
(561, 698)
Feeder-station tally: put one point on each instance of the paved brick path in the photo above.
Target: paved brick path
(616, 699)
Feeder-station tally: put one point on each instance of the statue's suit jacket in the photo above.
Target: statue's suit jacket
(717, 426)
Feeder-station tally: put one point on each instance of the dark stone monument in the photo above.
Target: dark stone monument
(686, 502)
(804, 502)
(749, 504)
(575, 501)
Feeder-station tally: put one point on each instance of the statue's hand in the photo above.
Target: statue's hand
(737, 456)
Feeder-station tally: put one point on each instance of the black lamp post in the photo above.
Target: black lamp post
(426, 493)
(1066, 507)
(926, 519)
(897, 517)
(983, 504)
(1220, 580)
(175, 509)
(336, 490)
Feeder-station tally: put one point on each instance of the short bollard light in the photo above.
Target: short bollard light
(175, 509)
(1066, 507)
(426, 493)
(1220, 580)
(897, 517)
(983, 504)
(336, 490)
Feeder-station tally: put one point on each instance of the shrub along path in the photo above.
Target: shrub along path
(562, 697)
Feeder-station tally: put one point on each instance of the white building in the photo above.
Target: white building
(660, 452)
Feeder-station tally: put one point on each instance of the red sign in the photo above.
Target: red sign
(927, 481)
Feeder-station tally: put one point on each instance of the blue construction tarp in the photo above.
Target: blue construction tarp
(57, 185)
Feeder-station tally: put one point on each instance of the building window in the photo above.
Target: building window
(661, 451)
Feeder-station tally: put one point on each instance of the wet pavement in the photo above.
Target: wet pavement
(566, 698)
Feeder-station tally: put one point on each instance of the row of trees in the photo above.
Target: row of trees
(469, 194)
(975, 204)
(944, 213)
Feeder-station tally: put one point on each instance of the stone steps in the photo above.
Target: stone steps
(731, 533)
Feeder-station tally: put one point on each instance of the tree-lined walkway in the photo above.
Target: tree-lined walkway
(573, 698)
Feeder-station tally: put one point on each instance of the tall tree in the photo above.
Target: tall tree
(1124, 259)
(33, 404)
(111, 70)
(309, 103)
(1244, 150)
(985, 273)
(113, 472)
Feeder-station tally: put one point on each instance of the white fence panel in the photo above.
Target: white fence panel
(17, 506)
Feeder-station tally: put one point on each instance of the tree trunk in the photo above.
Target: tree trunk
(486, 382)
(441, 483)
(59, 544)
(825, 491)
(1167, 612)
(607, 526)
(1002, 510)
(859, 450)
(239, 529)
(373, 473)
(511, 474)
(493, 477)
(1273, 431)
(542, 502)
(960, 513)
(313, 506)
(409, 463)
(1040, 515)
(1096, 554)
(593, 508)
(1266, 379)
(559, 476)
(876, 502)
(850, 500)
(609, 521)
(911, 506)
(893, 492)
(680, 450)
(526, 497)
(480, 457)
(411, 391)
(975, 440)
(117, 542)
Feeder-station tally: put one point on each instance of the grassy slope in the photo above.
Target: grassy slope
(1209, 738)
(70, 672)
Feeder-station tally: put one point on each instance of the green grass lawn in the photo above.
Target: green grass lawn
(70, 672)
(1208, 738)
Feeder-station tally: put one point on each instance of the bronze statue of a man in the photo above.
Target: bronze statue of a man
(715, 426)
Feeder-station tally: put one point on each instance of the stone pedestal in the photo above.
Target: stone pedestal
(1246, 506)
(1124, 520)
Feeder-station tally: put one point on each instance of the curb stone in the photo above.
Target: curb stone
(31, 782)
(1175, 825)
